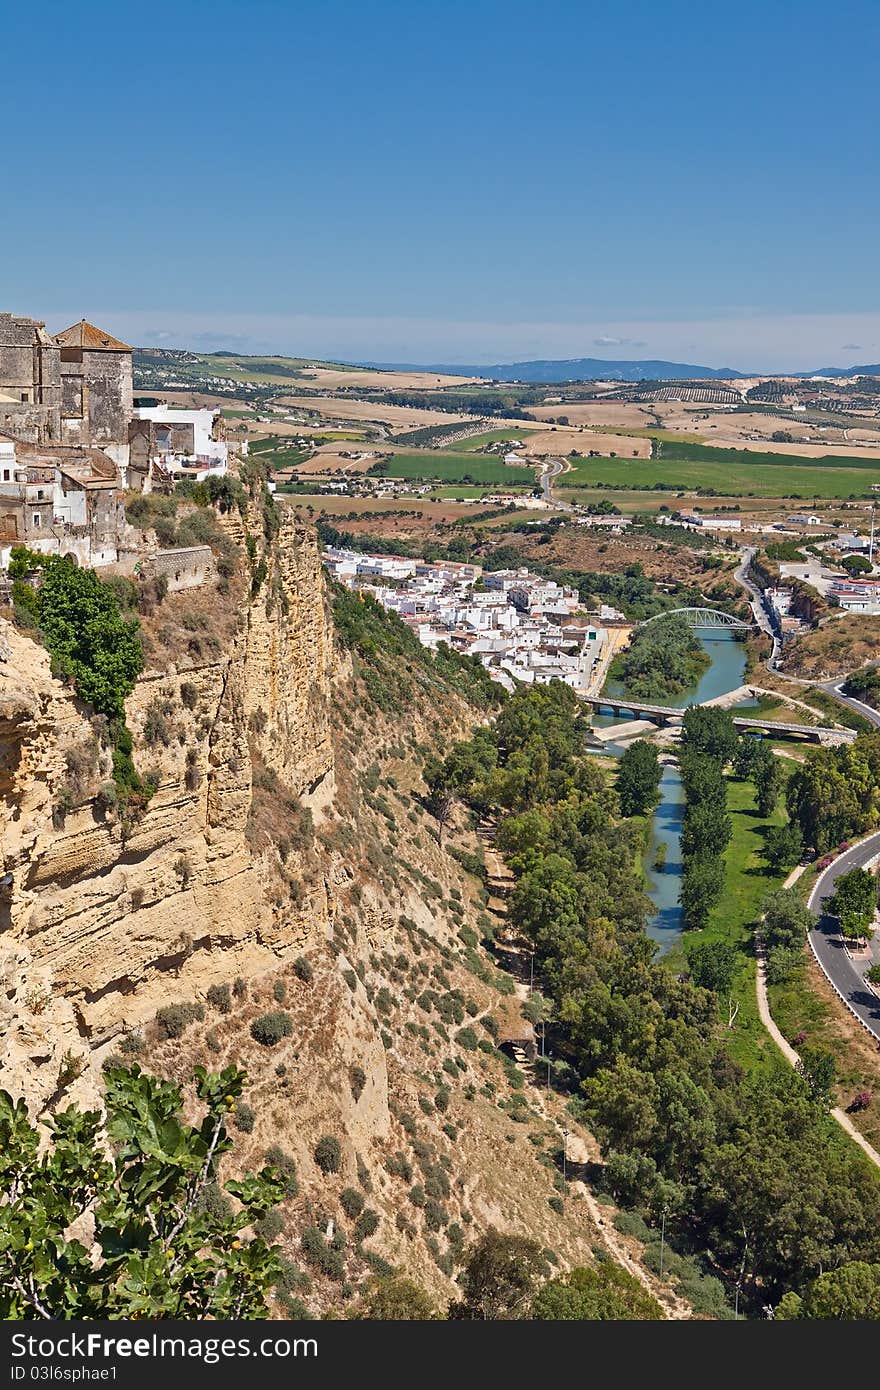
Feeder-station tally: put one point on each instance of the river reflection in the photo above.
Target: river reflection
(727, 672)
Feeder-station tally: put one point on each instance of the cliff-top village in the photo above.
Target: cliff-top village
(74, 439)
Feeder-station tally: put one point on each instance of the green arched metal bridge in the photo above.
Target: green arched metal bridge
(703, 617)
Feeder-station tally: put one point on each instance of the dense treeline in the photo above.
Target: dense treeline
(663, 659)
(709, 744)
(638, 779)
(458, 548)
(747, 1166)
(630, 590)
(485, 401)
(835, 794)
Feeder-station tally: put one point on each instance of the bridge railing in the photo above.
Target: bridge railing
(703, 617)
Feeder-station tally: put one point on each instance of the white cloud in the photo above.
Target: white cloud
(606, 340)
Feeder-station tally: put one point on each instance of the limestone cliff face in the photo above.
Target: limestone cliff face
(103, 922)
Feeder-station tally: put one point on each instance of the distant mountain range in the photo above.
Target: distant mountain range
(573, 369)
(596, 369)
(843, 371)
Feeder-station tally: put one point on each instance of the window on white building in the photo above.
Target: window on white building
(36, 518)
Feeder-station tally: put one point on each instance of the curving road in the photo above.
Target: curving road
(756, 598)
(834, 689)
(827, 943)
(549, 472)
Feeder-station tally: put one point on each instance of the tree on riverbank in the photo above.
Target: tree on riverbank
(705, 834)
(663, 659)
(638, 779)
(740, 1157)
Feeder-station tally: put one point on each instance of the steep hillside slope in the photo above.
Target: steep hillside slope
(283, 901)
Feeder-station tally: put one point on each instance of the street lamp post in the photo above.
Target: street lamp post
(565, 1155)
(662, 1238)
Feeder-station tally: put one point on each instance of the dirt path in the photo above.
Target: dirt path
(579, 1149)
(786, 1048)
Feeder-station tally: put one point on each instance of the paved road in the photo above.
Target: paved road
(833, 689)
(551, 470)
(827, 943)
(762, 617)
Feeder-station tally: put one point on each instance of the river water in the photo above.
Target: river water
(727, 672)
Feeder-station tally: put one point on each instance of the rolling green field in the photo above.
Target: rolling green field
(728, 474)
(266, 370)
(709, 453)
(457, 468)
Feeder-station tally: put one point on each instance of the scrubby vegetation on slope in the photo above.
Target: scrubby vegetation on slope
(393, 663)
(746, 1165)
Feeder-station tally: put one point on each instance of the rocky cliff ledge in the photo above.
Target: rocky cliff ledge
(103, 920)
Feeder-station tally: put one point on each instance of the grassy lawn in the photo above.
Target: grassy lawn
(805, 1004)
(457, 467)
(788, 477)
(748, 883)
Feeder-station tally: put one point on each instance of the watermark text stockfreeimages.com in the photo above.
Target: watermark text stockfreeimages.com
(98, 1345)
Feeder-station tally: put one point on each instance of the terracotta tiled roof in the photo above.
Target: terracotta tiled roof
(86, 335)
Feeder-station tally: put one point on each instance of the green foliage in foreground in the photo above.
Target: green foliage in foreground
(91, 642)
(848, 1294)
(166, 1249)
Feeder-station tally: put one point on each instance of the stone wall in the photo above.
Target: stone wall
(98, 392)
(184, 568)
(30, 375)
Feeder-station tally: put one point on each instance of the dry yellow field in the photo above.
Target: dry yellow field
(399, 417)
(389, 381)
(559, 439)
(753, 431)
(607, 414)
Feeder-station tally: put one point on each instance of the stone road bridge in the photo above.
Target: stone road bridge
(664, 714)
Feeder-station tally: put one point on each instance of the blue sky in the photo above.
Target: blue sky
(472, 181)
